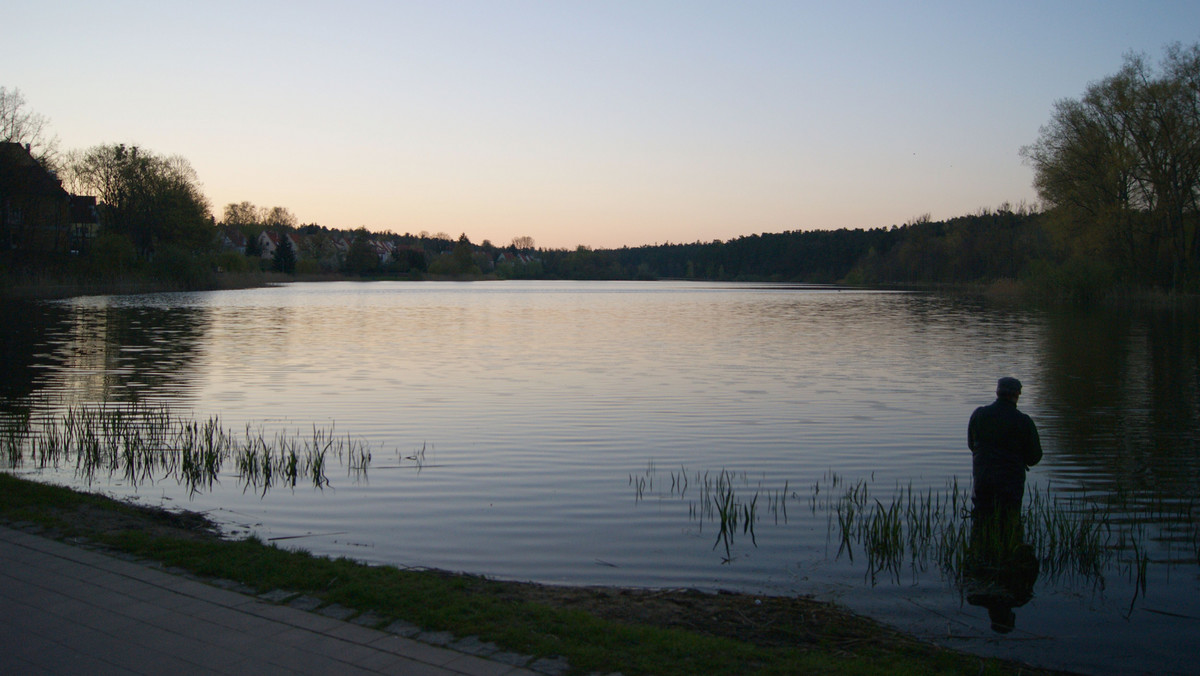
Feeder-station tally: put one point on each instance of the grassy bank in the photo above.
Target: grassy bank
(596, 630)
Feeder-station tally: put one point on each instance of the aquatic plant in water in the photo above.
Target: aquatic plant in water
(143, 444)
(1076, 537)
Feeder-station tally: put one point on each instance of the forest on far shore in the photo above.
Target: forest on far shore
(1117, 172)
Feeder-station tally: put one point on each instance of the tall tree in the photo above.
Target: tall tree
(21, 125)
(362, 259)
(240, 214)
(279, 217)
(1121, 167)
(151, 199)
(285, 255)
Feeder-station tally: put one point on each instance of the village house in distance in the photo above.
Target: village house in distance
(37, 215)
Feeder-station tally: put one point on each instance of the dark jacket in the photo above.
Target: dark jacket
(1003, 442)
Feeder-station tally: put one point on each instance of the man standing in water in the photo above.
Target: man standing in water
(1004, 443)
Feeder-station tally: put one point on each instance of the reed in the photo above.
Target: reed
(144, 444)
(1077, 537)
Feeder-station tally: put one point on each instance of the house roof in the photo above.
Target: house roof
(236, 237)
(20, 172)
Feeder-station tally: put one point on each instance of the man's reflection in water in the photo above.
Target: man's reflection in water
(1001, 568)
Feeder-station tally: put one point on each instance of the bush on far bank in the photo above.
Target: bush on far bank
(1079, 279)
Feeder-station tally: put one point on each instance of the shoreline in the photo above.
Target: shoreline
(1000, 291)
(778, 634)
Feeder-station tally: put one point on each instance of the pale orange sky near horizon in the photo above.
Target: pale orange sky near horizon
(602, 124)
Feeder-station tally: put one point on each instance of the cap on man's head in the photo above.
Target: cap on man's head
(1008, 386)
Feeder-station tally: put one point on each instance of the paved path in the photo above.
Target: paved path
(70, 610)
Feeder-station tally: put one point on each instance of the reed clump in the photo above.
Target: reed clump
(1077, 537)
(144, 444)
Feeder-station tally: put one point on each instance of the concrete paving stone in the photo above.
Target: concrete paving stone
(224, 597)
(305, 603)
(337, 611)
(147, 573)
(171, 665)
(232, 585)
(440, 638)
(66, 661)
(125, 556)
(513, 659)
(17, 666)
(305, 620)
(244, 641)
(355, 634)
(477, 666)
(277, 595)
(415, 668)
(31, 621)
(38, 543)
(305, 662)
(377, 661)
(143, 612)
(295, 638)
(471, 645)
(240, 621)
(402, 628)
(342, 651)
(552, 666)
(138, 593)
(100, 620)
(416, 650)
(146, 661)
(270, 611)
(258, 667)
(59, 559)
(368, 619)
(13, 590)
(201, 654)
(25, 645)
(70, 613)
(37, 579)
(150, 636)
(134, 591)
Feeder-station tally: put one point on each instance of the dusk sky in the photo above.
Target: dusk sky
(596, 123)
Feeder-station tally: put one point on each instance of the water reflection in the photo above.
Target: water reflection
(542, 397)
(101, 349)
(24, 357)
(999, 578)
(1124, 389)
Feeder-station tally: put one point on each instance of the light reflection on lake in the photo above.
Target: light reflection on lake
(538, 405)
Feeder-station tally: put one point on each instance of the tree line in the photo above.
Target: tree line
(1117, 171)
(987, 246)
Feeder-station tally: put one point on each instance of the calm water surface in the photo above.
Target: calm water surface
(551, 421)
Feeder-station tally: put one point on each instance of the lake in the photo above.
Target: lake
(590, 433)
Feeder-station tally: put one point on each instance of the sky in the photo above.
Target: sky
(603, 124)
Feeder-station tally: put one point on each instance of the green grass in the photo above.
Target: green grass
(472, 606)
